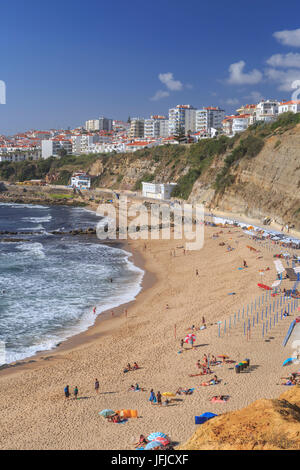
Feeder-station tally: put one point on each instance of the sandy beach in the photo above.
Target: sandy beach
(34, 411)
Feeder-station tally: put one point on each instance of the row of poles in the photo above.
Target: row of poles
(259, 312)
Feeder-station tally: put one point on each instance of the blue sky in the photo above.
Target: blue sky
(67, 61)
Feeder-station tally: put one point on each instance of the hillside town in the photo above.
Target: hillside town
(183, 124)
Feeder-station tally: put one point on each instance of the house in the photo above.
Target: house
(161, 191)
(289, 106)
(81, 180)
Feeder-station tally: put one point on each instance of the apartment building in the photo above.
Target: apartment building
(52, 147)
(100, 124)
(289, 106)
(240, 123)
(266, 110)
(208, 118)
(182, 118)
(137, 127)
(156, 126)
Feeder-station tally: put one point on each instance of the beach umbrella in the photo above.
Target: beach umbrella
(106, 413)
(191, 338)
(153, 436)
(288, 361)
(165, 442)
(168, 394)
(153, 445)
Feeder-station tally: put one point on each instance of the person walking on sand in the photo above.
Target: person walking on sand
(197, 272)
(158, 397)
(152, 398)
(67, 391)
(76, 391)
(97, 385)
(182, 344)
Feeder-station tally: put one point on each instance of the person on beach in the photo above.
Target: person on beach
(94, 310)
(135, 366)
(245, 264)
(97, 385)
(67, 391)
(159, 399)
(76, 392)
(152, 398)
(142, 441)
(182, 344)
(129, 366)
(197, 272)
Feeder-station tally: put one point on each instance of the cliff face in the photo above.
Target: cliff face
(264, 425)
(268, 184)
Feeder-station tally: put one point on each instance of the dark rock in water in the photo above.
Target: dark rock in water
(4, 366)
(13, 240)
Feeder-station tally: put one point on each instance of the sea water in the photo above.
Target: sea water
(49, 284)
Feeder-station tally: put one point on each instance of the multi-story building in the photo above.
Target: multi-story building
(208, 118)
(100, 124)
(156, 126)
(289, 106)
(182, 118)
(266, 110)
(137, 127)
(51, 148)
(240, 123)
(20, 156)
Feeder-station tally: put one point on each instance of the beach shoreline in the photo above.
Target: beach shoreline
(173, 299)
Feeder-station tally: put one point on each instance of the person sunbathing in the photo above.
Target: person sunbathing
(142, 441)
(135, 366)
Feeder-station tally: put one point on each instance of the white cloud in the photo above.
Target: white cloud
(168, 80)
(255, 96)
(159, 95)
(285, 60)
(238, 77)
(283, 78)
(288, 37)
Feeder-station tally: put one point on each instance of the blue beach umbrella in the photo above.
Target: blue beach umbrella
(288, 361)
(154, 435)
(153, 445)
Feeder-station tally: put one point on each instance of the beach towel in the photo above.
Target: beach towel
(218, 400)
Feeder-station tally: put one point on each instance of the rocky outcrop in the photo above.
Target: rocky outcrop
(264, 425)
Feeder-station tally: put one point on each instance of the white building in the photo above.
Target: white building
(182, 118)
(20, 156)
(240, 123)
(210, 117)
(156, 126)
(158, 190)
(266, 110)
(289, 106)
(51, 148)
(81, 180)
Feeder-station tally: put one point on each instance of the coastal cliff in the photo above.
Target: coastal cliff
(263, 425)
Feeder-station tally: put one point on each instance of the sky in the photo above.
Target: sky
(64, 62)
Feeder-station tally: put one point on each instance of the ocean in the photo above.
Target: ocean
(49, 284)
